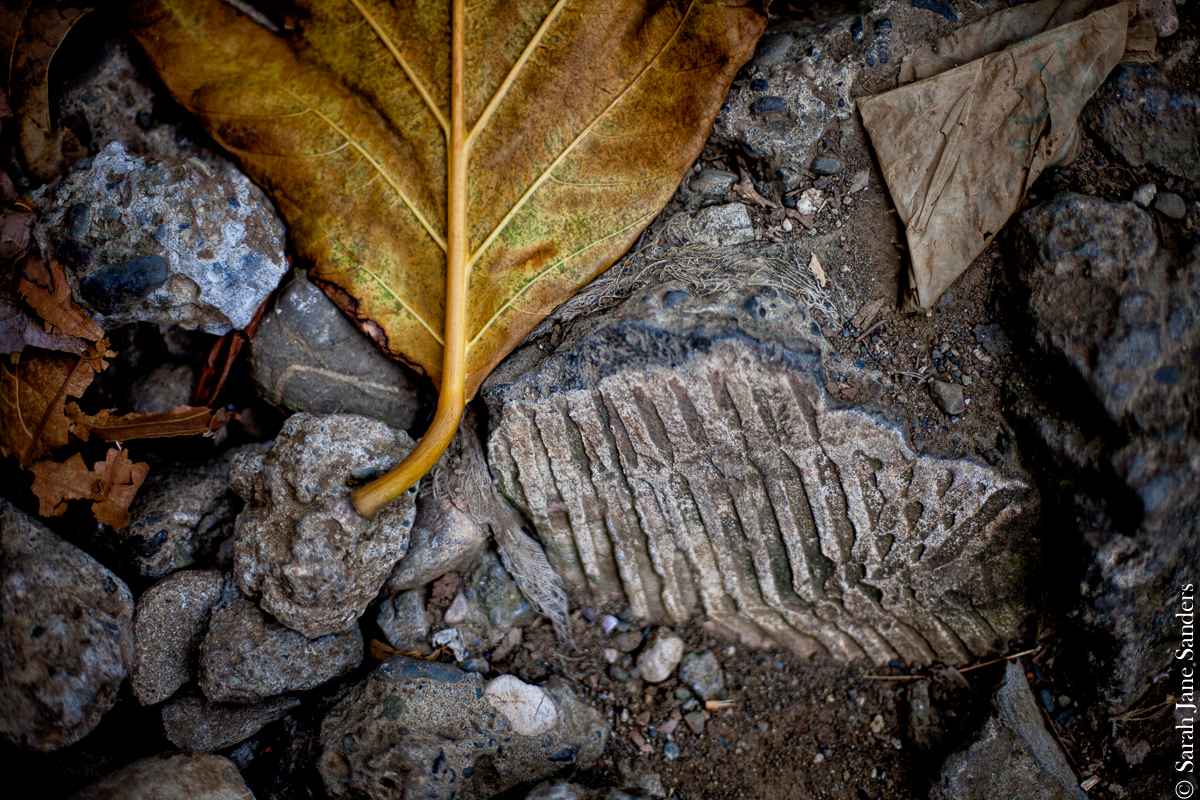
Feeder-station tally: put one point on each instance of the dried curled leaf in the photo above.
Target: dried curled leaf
(455, 173)
(183, 421)
(30, 33)
(111, 485)
(47, 292)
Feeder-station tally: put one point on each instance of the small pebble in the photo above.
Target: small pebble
(1144, 194)
(588, 614)
(670, 751)
(682, 693)
(609, 622)
(1170, 205)
(618, 673)
(769, 104)
(826, 165)
(477, 665)
(759, 85)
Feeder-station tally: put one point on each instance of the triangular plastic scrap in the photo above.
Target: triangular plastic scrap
(959, 150)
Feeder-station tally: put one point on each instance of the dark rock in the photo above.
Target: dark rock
(759, 85)
(856, 29)
(171, 776)
(65, 636)
(712, 182)
(405, 622)
(1141, 115)
(300, 546)
(181, 515)
(1014, 758)
(1106, 297)
(163, 389)
(192, 723)
(169, 625)
(770, 104)
(421, 729)
(307, 356)
(941, 7)
(247, 656)
(168, 247)
(772, 48)
(826, 165)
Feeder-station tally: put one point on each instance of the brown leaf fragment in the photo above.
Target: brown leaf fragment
(814, 265)
(110, 484)
(34, 386)
(120, 478)
(54, 483)
(14, 234)
(745, 190)
(183, 421)
(47, 292)
(18, 330)
(30, 33)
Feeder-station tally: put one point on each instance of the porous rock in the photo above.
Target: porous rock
(1145, 119)
(181, 515)
(420, 729)
(1106, 297)
(161, 239)
(307, 356)
(247, 656)
(168, 627)
(65, 635)
(300, 546)
(1014, 757)
(688, 459)
(171, 776)
(192, 723)
(661, 655)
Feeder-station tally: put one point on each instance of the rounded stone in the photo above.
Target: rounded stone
(661, 655)
(528, 709)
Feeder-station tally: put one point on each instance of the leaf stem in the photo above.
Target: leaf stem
(451, 398)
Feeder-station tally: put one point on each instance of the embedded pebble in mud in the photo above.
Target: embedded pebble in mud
(300, 546)
(160, 239)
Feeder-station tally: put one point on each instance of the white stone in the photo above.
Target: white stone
(457, 611)
(722, 226)
(529, 709)
(658, 660)
(1144, 194)
(810, 202)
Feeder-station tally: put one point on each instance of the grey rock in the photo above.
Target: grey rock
(65, 636)
(695, 720)
(1014, 758)
(443, 539)
(404, 621)
(307, 356)
(689, 460)
(492, 605)
(723, 226)
(703, 673)
(628, 641)
(560, 790)
(452, 639)
(1162, 16)
(949, 397)
(1144, 194)
(772, 48)
(300, 546)
(714, 182)
(166, 241)
(826, 165)
(1170, 205)
(182, 514)
(1140, 114)
(169, 625)
(662, 653)
(163, 389)
(247, 656)
(171, 776)
(420, 729)
(193, 723)
(1106, 297)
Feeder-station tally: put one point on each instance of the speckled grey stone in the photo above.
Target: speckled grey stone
(301, 548)
(169, 625)
(65, 635)
(307, 356)
(702, 672)
(419, 729)
(405, 622)
(247, 656)
(161, 239)
(182, 514)
(722, 226)
(443, 539)
(193, 723)
(171, 776)
(491, 603)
